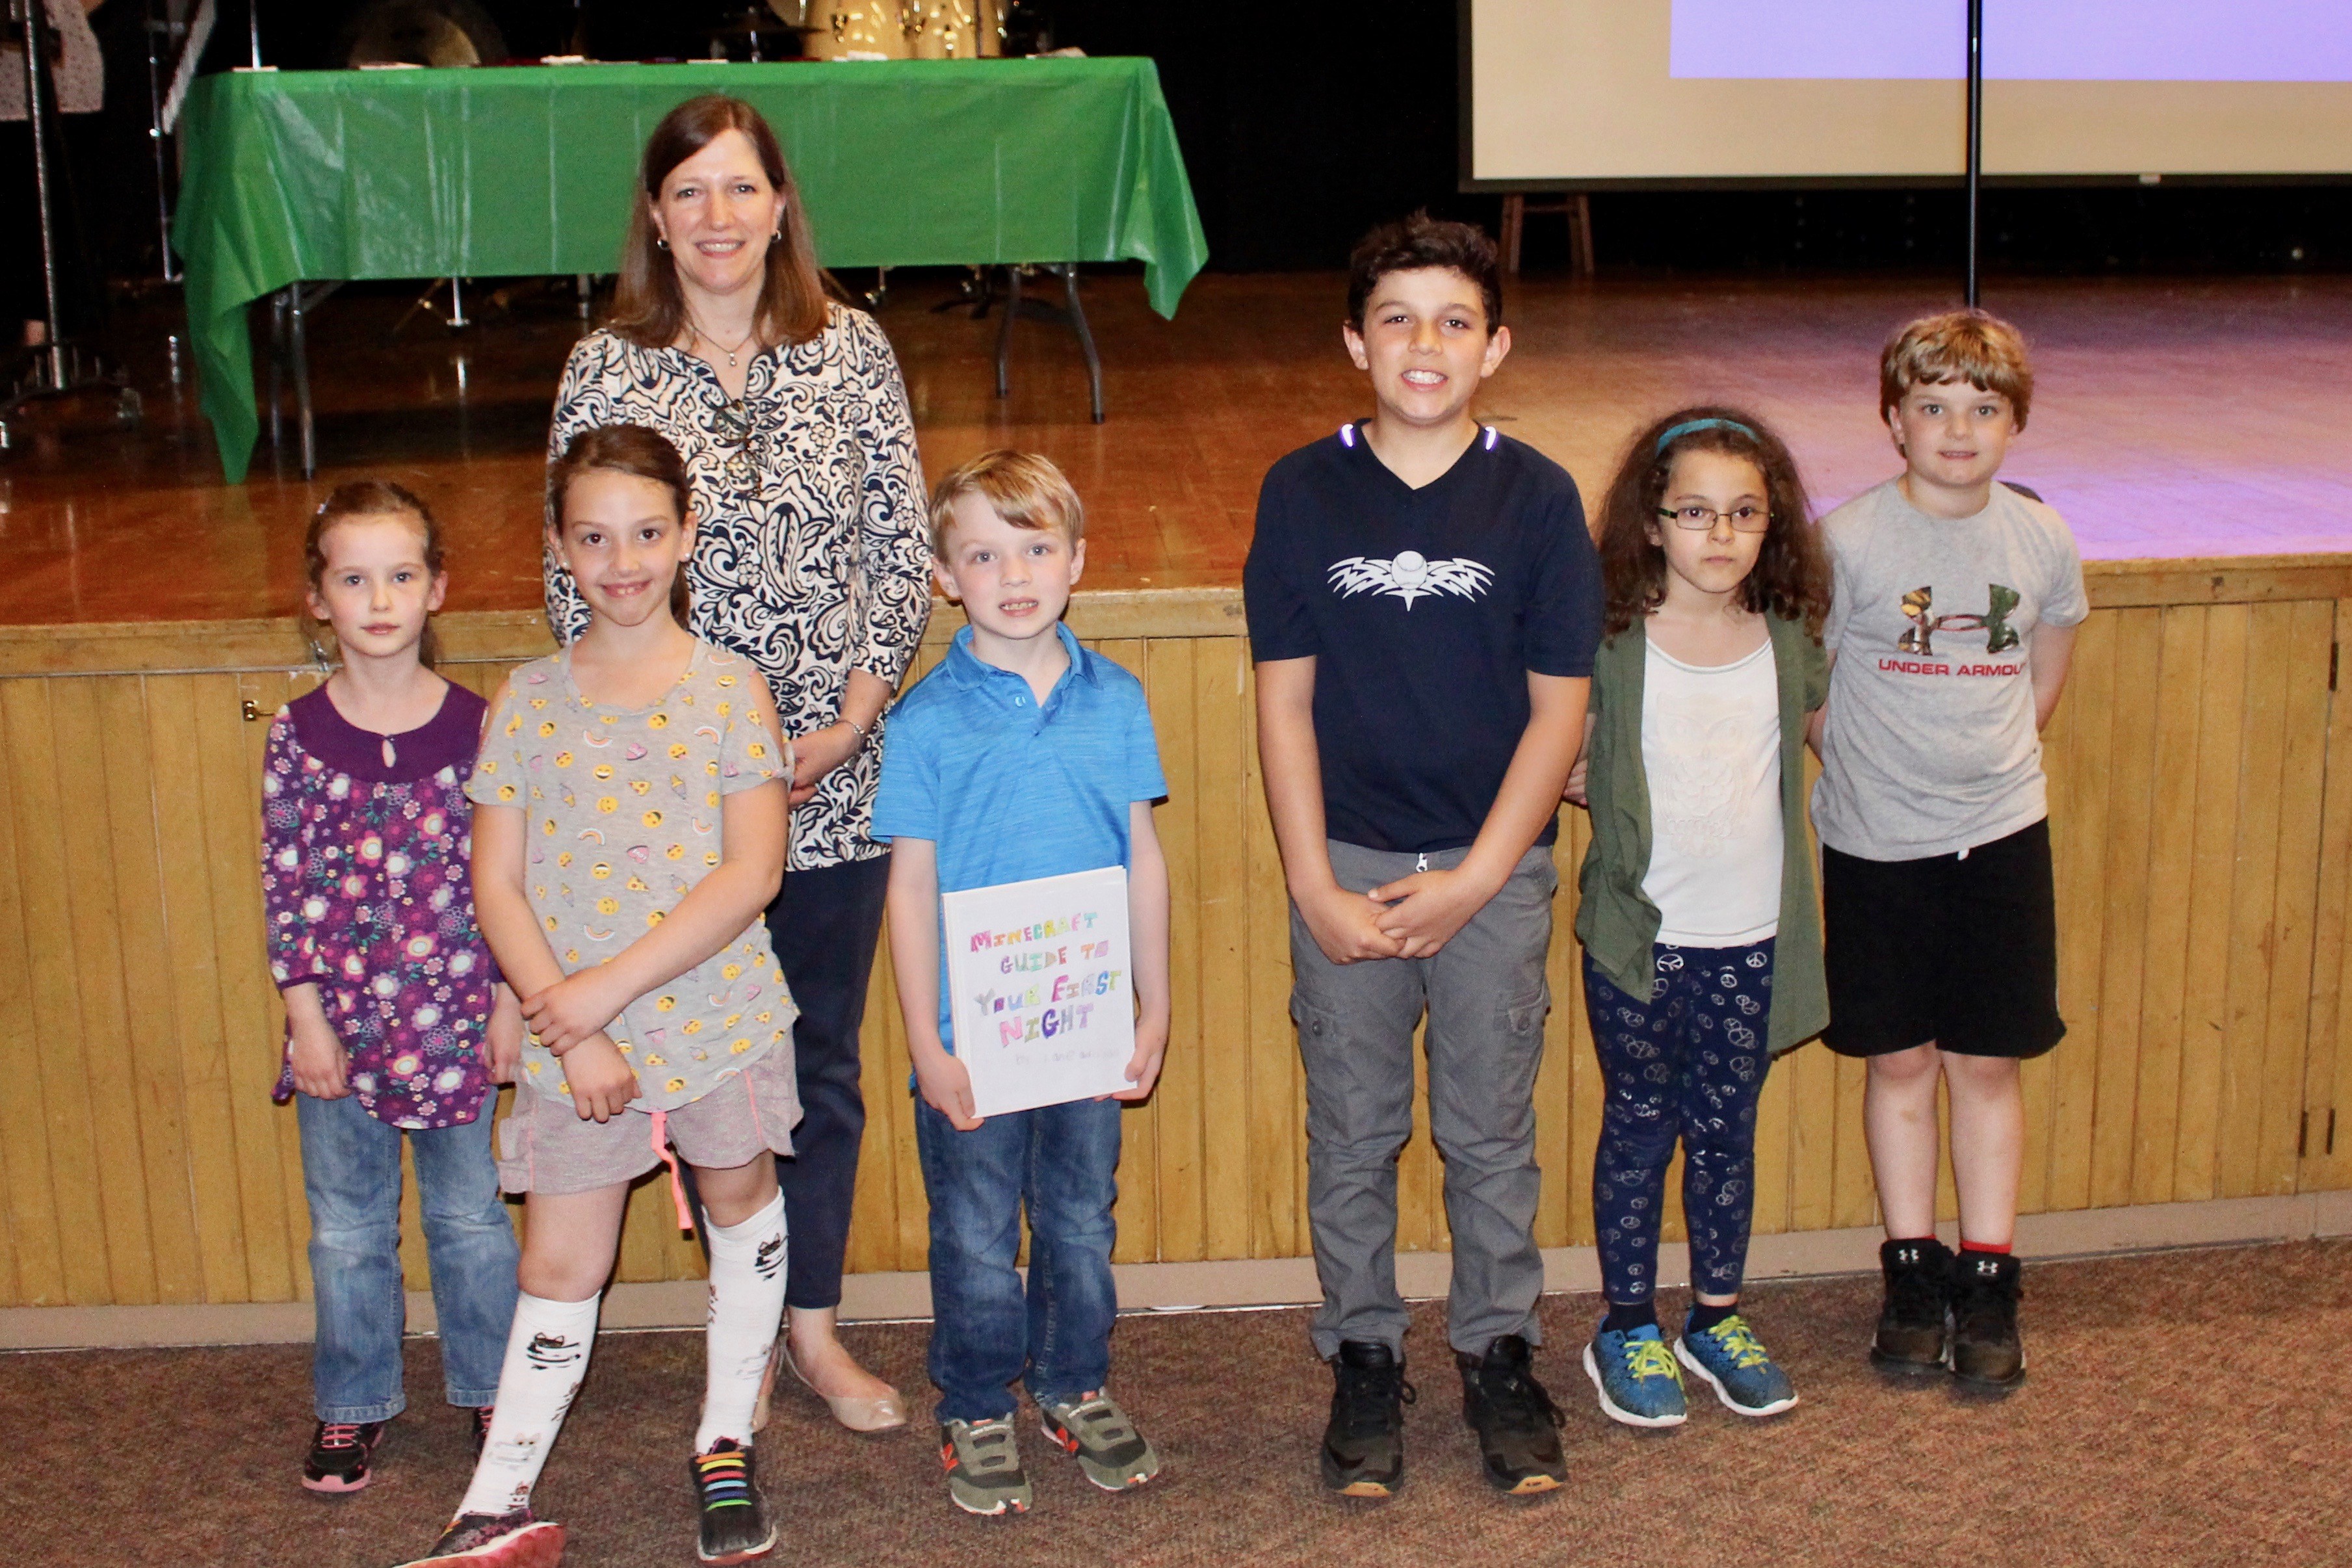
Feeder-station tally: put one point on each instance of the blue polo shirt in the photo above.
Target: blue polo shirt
(1009, 789)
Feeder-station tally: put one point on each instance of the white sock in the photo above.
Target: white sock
(547, 1355)
(747, 1303)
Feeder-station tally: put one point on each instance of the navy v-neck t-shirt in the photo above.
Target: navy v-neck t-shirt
(1424, 611)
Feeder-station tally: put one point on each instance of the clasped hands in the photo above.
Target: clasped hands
(1411, 917)
(570, 1017)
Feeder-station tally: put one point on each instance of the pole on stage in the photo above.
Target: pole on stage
(1976, 136)
(36, 95)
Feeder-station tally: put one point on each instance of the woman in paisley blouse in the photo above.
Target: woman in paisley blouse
(811, 561)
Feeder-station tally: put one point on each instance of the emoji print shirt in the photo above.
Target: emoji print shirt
(621, 808)
(1930, 746)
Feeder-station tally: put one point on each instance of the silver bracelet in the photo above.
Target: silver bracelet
(864, 734)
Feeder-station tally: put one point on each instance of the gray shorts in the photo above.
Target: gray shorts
(545, 1146)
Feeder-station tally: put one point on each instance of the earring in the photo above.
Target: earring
(660, 243)
(779, 233)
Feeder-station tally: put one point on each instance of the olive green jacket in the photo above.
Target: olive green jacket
(1616, 922)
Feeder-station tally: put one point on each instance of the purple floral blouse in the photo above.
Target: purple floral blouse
(366, 881)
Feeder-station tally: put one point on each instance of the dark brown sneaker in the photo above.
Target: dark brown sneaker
(1363, 1446)
(1915, 1324)
(1987, 1354)
(1516, 1423)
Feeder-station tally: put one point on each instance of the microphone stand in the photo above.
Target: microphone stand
(56, 371)
(1975, 137)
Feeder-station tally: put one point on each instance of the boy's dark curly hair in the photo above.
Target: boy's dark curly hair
(1792, 571)
(1422, 241)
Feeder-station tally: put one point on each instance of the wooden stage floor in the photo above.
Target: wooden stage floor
(2174, 419)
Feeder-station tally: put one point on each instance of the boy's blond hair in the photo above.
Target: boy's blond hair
(1974, 346)
(1023, 489)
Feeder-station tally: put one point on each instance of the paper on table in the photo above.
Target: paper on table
(1041, 990)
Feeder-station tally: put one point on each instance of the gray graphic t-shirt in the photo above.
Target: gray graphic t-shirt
(1930, 746)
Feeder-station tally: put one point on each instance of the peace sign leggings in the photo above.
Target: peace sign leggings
(1687, 1062)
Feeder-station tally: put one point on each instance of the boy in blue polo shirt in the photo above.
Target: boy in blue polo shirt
(1022, 755)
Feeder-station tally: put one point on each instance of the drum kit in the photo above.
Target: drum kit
(868, 30)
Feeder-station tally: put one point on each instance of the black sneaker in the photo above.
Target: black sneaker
(1986, 1354)
(1363, 1447)
(340, 1452)
(1516, 1423)
(735, 1524)
(1915, 1325)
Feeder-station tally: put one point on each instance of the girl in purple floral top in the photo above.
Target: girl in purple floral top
(396, 1021)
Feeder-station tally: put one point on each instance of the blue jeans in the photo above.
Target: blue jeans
(1063, 1161)
(351, 1170)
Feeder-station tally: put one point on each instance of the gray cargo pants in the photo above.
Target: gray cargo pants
(1486, 996)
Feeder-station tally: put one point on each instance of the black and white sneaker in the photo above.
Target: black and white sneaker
(1915, 1323)
(1363, 1446)
(735, 1527)
(517, 1540)
(1988, 1356)
(1516, 1423)
(340, 1455)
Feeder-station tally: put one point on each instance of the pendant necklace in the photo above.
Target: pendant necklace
(730, 354)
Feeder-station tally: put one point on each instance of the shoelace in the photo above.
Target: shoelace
(1522, 1400)
(1738, 1342)
(1366, 1395)
(1917, 1294)
(724, 1475)
(340, 1434)
(1650, 1358)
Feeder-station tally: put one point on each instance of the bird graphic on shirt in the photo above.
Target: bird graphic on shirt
(1410, 575)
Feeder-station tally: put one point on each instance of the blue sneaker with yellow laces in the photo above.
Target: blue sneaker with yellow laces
(1636, 1377)
(1730, 1359)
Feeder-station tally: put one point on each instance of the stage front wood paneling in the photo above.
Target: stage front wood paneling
(2201, 783)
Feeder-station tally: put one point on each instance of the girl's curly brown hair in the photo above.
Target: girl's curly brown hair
(1792, 569)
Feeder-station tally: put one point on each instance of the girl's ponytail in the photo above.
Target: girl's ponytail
(370, 497)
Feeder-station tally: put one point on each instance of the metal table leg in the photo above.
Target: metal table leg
(1070, 314)
(300, 301)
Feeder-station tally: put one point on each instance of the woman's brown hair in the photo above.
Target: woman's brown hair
(634, 450)
(1791, 577)
(370, 498)
(647, 308)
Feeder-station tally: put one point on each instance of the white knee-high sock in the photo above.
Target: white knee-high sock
(547, 1355)
(747, 1301)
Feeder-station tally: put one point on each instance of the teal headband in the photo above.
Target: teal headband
(1690, 424)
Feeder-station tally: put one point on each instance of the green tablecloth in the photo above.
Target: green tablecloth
(528, 170)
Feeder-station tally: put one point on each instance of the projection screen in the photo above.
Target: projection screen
(1595, 92)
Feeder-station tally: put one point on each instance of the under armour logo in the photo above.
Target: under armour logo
(2000, 636)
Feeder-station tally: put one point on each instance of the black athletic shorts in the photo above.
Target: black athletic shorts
(1961, 950)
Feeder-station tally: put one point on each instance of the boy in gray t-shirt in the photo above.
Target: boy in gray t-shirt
(1957, 600)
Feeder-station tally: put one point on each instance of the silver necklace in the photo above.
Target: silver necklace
(695, 327)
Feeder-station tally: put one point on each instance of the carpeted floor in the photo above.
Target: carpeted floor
(2185, 1408)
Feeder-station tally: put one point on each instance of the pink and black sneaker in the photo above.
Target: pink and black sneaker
(340, 1452)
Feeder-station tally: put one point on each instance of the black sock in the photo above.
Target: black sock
(1704, 1317)
(1624, 1319)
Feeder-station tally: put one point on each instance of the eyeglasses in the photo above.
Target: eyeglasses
(1703, 519)
(733, 423)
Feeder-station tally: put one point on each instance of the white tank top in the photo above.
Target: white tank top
(1711, 748)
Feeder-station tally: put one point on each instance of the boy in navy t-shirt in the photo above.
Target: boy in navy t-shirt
(1424, 606)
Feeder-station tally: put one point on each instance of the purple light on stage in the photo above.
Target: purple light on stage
(2025, 40)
